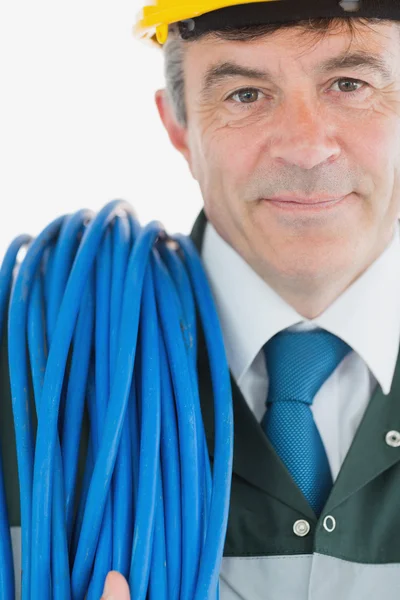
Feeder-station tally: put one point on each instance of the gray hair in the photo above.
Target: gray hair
(175, 46)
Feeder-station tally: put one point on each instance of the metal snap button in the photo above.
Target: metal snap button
(301, 527)
(329, 523)
(393, 439)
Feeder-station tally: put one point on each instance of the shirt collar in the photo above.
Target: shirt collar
(366, 315)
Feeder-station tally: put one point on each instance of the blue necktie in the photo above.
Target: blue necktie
(298, 363)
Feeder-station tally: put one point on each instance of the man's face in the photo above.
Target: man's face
(304, 132)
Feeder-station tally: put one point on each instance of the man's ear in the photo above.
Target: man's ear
(177, 133)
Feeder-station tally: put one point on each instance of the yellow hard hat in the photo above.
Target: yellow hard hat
(153, 20)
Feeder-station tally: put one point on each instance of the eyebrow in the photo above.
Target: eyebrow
(222, 71)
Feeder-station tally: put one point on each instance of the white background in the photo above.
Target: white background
(78, 121)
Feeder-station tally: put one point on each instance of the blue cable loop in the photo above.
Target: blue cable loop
(75, 400)
(122, 479)
(107, 311)
(223, 415)
(90, 458)
(171, 479)
(18, 310)
(7, 588)
(103, 557)
(169, 310)
(149, 465)
(188, 326)
(47, 267)
(38, 354)
(62, 259)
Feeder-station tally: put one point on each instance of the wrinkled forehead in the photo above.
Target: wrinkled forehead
(374, 48)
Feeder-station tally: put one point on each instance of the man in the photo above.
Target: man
(293, 134)
(291, 127)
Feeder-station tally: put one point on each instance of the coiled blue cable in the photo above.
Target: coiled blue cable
(107, 312)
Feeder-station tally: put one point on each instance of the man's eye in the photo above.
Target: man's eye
(353, 82)
(246, 95)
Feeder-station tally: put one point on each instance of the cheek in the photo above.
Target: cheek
(231, 155)
(379, 155)
(376, 146)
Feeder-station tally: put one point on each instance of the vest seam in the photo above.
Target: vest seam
(328, 553)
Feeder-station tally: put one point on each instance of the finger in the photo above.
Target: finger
(115, 587)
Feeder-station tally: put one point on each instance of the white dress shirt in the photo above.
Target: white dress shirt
(366, 316)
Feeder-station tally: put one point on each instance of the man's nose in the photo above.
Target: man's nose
(304, 135)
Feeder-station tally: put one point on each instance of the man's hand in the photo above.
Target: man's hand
(115, 587)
